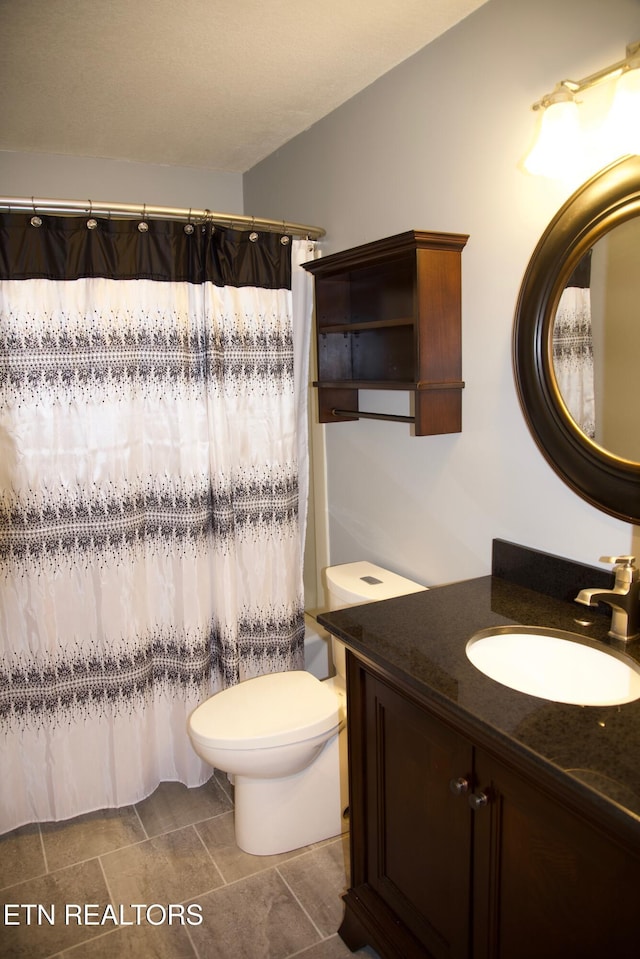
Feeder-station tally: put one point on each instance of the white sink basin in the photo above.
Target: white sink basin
(555, 665)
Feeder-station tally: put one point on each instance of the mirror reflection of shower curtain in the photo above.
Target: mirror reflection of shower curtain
(573, 356)
(150, 549)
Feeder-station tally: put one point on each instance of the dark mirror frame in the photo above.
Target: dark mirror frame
(606, 481)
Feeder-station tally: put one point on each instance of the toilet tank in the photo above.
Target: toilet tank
(352, 584)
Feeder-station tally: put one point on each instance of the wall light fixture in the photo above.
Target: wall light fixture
(560, 145)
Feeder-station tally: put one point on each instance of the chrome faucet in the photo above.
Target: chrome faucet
(624, 598)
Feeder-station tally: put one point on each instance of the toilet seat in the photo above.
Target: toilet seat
(272, 710)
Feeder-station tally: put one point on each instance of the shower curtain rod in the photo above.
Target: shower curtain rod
(21, 204)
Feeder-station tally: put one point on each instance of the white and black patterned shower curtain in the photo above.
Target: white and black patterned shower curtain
(150, 547)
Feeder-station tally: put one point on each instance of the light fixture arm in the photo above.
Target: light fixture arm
(567, 89)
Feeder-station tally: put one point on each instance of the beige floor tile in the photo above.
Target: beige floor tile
(75, 886)
(136, 942)
(21, 855)
(172, 805)
(334, 948)
(318, 879)
(89, 836)
(223, 781)
(166, 869)
(257, 918)
(218, 836)
(254, 907)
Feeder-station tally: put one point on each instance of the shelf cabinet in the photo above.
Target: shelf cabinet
(388, 317)
(457, 853)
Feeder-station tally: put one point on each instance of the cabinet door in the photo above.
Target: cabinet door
(547, 882)
(418, 830)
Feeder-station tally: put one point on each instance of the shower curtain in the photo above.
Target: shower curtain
(151, 528)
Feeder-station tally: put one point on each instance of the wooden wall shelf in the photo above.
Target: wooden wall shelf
(388, 317)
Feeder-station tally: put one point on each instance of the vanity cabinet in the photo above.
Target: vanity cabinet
(388, 317)
(457, 851)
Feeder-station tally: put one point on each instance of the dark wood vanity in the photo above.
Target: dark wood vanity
(484, 822)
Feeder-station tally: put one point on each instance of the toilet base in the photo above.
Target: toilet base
(276, 815)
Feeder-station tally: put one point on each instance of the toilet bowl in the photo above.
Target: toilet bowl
(282, 737)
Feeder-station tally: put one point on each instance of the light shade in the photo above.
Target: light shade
(565, 151)
(557, 150)
(621, 129)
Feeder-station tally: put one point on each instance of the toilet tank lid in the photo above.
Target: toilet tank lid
(364, 582)
(270, 710)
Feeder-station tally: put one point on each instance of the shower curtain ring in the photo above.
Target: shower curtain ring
(143, 226)
(91, 222)
(189, 227)
(35, 219)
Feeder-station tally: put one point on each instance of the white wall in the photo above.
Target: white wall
(435, 145)
(91, 178)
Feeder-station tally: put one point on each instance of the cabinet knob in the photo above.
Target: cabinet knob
(459, 786)
(478, 800)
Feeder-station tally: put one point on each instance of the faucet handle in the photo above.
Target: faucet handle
(625, 569)
(628, 561)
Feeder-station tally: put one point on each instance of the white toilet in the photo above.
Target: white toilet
(281, 737)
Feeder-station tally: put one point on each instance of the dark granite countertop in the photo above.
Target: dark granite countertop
(593, 751)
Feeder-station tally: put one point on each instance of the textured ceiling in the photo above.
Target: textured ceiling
(217, 84)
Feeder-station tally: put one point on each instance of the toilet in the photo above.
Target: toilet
(282, 737)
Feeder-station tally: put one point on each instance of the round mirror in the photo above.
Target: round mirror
(577, 341)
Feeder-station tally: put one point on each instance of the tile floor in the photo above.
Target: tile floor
(175, 847)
